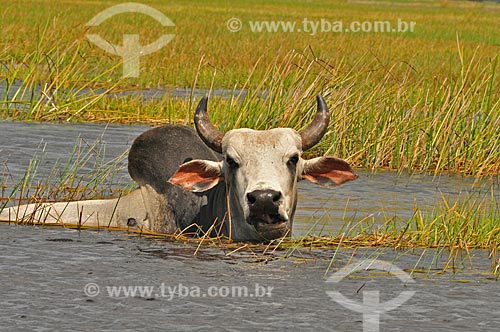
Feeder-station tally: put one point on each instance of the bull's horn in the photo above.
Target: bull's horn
(315, 131)
(206, 130)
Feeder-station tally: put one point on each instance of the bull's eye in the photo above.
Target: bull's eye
(232, 164)
(293, 160)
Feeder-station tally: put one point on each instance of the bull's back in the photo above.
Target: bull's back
(157, 153)
(155, 156)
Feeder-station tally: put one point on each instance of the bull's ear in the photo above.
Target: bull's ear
(328, 171)
(197, 175)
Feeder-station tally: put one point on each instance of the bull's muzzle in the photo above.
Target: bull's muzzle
(264, 206)
(264, 201)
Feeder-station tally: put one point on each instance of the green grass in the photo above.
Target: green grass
(202, 38)
(426, 101)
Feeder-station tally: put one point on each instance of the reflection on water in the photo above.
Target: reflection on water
(381, 195)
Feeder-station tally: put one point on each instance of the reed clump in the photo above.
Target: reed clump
(409, 123)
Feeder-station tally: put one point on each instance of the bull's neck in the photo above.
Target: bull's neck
(224, 210)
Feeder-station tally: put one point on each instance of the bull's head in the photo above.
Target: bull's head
(261, 170)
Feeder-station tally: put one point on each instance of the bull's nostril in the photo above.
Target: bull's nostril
(264, 199)
(251, 198)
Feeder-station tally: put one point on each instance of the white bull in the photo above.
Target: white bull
(248, 194)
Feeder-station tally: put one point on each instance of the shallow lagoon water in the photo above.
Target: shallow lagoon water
(44, 270)
(24, 97)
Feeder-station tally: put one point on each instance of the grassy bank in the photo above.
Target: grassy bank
(202, 38)
(399, 122)
(426, 100)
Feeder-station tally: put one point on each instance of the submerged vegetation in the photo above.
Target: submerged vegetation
(426, 101)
